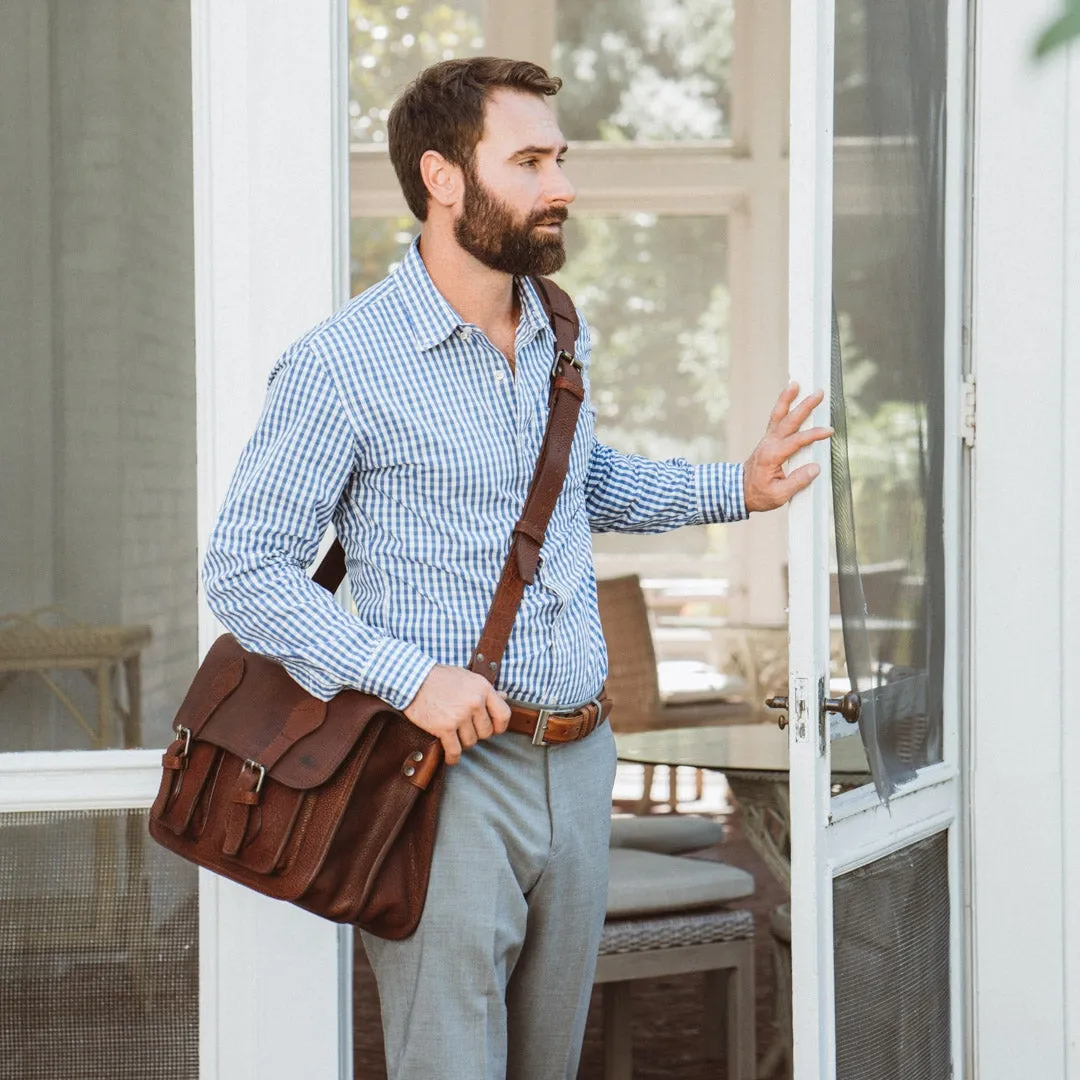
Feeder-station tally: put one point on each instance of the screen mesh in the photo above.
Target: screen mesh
(98, 950)
(891, 927)
(888, 373)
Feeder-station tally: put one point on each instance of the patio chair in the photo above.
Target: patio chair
(664, 919)
(632, 681)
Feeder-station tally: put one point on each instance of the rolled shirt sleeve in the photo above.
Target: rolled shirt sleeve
(282, 498)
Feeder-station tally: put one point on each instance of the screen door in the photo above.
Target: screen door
(877, 108)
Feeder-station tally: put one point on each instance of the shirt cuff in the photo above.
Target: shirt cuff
(396, 671)
(719, 489)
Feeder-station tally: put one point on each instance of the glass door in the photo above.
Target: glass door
(875, 296)
(98, 622)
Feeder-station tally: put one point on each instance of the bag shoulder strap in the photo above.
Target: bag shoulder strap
(564, 403)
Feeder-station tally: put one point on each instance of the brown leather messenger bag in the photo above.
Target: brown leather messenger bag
(333, 805)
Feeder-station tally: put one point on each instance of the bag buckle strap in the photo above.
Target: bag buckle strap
(570, 358)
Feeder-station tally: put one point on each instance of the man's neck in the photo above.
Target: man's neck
(481, 296)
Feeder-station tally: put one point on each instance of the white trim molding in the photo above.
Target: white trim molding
(78, 779)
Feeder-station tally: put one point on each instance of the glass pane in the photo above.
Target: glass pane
(888, 375)
(377, 246)
(391, 41)
(891, 926)
(638, 71)
(654, 290)
(97, 421)
(98, 950)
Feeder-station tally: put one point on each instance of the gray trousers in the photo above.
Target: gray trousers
(495, 983)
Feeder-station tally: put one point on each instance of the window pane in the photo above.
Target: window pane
(97, 418)
(377, 246)
(641, 71)
(888, 380)
(655, 293)
(391, 41)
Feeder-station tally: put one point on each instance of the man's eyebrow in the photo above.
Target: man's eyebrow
(539, 151)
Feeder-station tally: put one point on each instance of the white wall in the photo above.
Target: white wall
(1024, 745)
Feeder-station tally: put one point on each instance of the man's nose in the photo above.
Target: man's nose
(560, 190)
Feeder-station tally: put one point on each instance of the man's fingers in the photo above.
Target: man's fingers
(783, 404)
(483, 724)
(498, 710)
(799, 440)
(451, 748)
(798, 479)
(798, 416)
(466, 733)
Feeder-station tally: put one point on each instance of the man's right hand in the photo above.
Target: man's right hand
(459, 707)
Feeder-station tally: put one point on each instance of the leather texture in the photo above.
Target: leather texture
(333, 806)
(560, 727)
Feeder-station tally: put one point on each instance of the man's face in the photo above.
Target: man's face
(516, 196)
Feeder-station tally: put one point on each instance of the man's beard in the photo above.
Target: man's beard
(487, 229)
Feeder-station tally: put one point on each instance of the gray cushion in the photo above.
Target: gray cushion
(645, 883)
(669, 834)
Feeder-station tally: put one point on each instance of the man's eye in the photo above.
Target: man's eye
(560, 162)
(529, 163)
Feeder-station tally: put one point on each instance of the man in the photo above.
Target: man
(412, 419)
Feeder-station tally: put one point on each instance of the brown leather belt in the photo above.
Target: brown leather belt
(546, 726)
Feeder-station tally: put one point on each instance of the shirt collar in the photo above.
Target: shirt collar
(434, 320)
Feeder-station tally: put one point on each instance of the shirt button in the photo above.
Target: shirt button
(465, 333)
(499, 376)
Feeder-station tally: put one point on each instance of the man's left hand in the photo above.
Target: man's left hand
(765, 485)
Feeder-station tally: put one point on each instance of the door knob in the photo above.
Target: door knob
(778, 703)
(847, 706)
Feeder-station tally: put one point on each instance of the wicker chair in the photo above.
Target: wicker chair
(666, 916)
(632, 680)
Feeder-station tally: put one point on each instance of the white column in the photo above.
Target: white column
(269, 217)
(1024, 754)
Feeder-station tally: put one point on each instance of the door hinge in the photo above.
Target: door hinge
(967, 411)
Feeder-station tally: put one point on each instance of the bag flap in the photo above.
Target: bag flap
(268, 711)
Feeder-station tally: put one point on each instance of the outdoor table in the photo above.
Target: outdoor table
(754, 759)
(49, 640)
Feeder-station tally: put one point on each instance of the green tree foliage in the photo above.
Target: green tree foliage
(645, 70)
(390, 42)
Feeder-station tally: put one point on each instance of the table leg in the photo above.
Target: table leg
(133, 719)
(765, 815)
(104, 687)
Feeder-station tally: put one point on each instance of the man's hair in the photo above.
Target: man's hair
(442, 109)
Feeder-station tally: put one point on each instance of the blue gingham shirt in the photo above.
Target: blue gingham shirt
(405, 428)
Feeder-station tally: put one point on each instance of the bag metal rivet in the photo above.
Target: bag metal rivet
(410, 770)
(417, 755)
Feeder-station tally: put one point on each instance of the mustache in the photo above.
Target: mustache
(555, 216)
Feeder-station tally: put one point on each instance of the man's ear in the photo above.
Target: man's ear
(445, 182)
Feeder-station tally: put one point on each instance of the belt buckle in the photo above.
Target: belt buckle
(540, 733)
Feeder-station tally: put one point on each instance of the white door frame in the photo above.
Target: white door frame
(830, 836)
(270, 158)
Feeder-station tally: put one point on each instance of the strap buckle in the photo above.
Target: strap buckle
(570, 358)
(259, 771)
